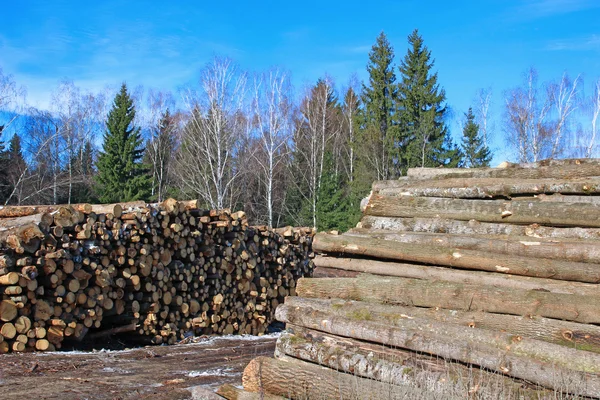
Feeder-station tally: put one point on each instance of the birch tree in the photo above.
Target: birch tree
(213, 134)
(594, 105)
(536, 121)
(315, 131)
(483, 102)
(272, 111)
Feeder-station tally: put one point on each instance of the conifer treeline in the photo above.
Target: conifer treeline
(244, 142)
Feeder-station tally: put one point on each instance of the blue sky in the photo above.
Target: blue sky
(476, 44)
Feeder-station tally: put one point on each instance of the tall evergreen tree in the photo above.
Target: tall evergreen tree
(5, 187)
(17, 171)
(475, 152)
(121, 174)
(424, 137)
(377, 119)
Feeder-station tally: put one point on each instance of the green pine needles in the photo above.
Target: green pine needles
(121, 174)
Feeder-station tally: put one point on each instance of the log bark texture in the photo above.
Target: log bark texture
(472, 227)
(396, 366)
(570, 334)
(454, 296)
(546, 364)
(297, 379)
(499, 211)
(545, 169)
(458, 258)
(351, 267)
(556, 249)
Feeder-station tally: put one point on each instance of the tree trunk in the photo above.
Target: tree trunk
(336, 267)
(556, 249)
(472, 227)
(454, 296)
(458, 258)
(398, 367)
(545, 169)
(231, 392)
(584, 337)
(546, 364)
(487, 187)
(515, 212)
(297, 379)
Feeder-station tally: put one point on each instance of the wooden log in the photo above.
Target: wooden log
(454, 296)
(515, 212)
(425, 272)
(546, 169)
(398, 367)
(301, 380)
(8, 310)
(25, 238)
(11, 278)
(472, 188)
(557, 249)
(43, 221)
(548, 365)
(231, 392)
(565, 333)
(458, 258)
(472, 227)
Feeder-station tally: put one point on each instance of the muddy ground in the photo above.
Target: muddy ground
(154, 372)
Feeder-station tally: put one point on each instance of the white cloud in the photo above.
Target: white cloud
(589, 43)
(547, 8)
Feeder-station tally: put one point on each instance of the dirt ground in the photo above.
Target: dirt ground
(154, 372)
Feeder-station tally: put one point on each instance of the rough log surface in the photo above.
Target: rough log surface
(546, 364)
(458, 258)
(297, 379)
(557, 249)
(505, 211)
(549, 169)
(351, 267)
(472, 227)
(396, 366)
(570, 334)
(454, 296)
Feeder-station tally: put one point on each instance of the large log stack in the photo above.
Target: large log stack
(161, 272)
(457, 283)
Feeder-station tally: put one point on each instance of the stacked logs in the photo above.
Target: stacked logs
(160, 272)
(457, 283)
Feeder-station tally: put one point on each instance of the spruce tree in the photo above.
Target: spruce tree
(475, 152)
(333, 206)
(377, 120)
(121, 174)
(424, 137)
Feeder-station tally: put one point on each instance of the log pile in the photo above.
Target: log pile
(457, 283)
(160, 272)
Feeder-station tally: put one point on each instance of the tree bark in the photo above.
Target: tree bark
(500, 211)
(473, 188)
(556, 249)
(22, 211)
(472, 227)
(454, 296)
(458, 258)
(546, 364)
(584, 337)
(350, 267)
(396, 366)
(231, 392)
(545, 169)
(297, 379)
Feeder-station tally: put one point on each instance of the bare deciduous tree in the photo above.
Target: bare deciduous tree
(595, 111)
(537, 121)
(272, 111)
(213, 134)
(483, 102)
(317, 128)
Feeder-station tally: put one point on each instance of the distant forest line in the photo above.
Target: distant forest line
(246, 141)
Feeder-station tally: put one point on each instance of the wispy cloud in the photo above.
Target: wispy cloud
(547, 8)
(589, 43)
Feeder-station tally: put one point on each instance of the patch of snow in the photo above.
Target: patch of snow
(115, 370)
(213, 372)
